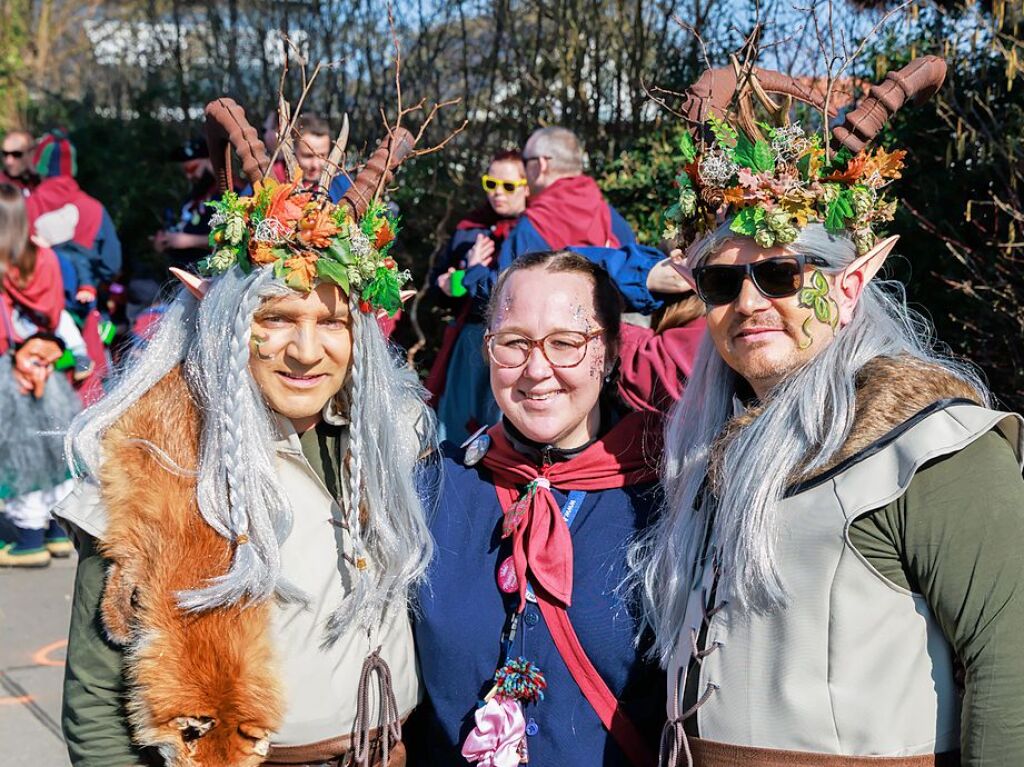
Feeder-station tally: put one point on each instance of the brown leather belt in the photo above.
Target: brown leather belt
(708, 753)
(336, 752)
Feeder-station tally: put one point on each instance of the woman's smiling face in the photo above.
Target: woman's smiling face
(550, 405)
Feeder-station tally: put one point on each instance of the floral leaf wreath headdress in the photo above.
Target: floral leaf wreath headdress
(299, 232)
(773, 178)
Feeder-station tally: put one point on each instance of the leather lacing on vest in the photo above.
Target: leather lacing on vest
(389, 718)
(673, 735)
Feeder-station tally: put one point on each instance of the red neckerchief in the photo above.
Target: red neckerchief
(540, 537)
(572, 211)
(42, 297)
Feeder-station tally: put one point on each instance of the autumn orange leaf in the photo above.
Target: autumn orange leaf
(317, 228)
(734, 195)
(384, 235)
(854, 170)
(284, 206)
(300, 271)
(885, 164)
(261, 253)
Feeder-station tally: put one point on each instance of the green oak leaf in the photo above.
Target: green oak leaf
(687, 148)
(840, 210)
(340, 251)
(383, 291)
(333, 272)
(756, 156)
(746, 221)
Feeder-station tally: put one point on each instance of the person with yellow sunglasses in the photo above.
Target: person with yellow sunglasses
(463, 399)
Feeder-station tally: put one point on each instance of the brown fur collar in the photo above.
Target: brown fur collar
(890, 391)
(203, 689)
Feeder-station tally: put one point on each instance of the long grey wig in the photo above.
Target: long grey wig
(237, 486)
(804, 422)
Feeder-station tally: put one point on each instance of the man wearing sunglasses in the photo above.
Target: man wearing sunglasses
(17, 156)
(566, 210)
(837, 577)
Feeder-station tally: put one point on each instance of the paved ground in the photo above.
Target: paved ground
(35, 606)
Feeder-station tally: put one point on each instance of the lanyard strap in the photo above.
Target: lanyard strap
(569, 512)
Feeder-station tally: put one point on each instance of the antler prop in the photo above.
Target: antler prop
(917, 82)
(714, 91)
(227, 127)
(333, 165)
(390, 153)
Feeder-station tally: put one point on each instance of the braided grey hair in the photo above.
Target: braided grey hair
(238, 491)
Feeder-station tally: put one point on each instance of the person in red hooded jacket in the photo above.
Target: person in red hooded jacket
(35, 404)
(91, 256)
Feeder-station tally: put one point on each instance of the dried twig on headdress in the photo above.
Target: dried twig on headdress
(289, 129)
(402, 111)
(837, 55)
(284, 139)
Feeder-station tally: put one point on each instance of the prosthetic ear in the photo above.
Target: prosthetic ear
(195, 284)
(677, 260)
(859, 273)
(404, 296)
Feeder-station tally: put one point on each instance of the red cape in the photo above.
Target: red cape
(43, 296)
(572, 211)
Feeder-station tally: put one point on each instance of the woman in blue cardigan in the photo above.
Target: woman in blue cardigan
(526, 643)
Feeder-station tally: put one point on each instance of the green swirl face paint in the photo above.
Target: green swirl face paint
(824, 308)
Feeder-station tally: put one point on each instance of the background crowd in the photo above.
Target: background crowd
(128, 81)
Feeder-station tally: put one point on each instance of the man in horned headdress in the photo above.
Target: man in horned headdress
(244, 564)
(846, 511)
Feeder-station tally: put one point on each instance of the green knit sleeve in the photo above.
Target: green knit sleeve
(957, 537)
(93, 718)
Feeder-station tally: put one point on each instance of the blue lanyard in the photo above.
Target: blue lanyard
(569, 511)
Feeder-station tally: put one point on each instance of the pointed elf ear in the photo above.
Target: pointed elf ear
(195, 284)
(677, 260)
(860, 272)
(404, 296)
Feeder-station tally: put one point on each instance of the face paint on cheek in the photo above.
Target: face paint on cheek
(823, 307)
(257, 343)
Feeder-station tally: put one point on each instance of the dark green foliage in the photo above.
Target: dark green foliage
(641, 182)
(961, 213)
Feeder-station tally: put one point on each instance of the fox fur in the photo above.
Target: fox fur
(890, 391)
(203, 686)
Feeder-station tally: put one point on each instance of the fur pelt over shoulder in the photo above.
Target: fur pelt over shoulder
(890, 391)
(203, 687)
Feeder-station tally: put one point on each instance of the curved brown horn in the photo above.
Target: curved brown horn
(917, 82)
(714, 91)
(378, 169)
(226, 127)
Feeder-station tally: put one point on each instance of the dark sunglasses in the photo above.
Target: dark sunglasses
(778, 277)
(15, 153)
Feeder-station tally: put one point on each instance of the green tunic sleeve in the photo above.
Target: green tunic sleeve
(94, 719)
(957, 537)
